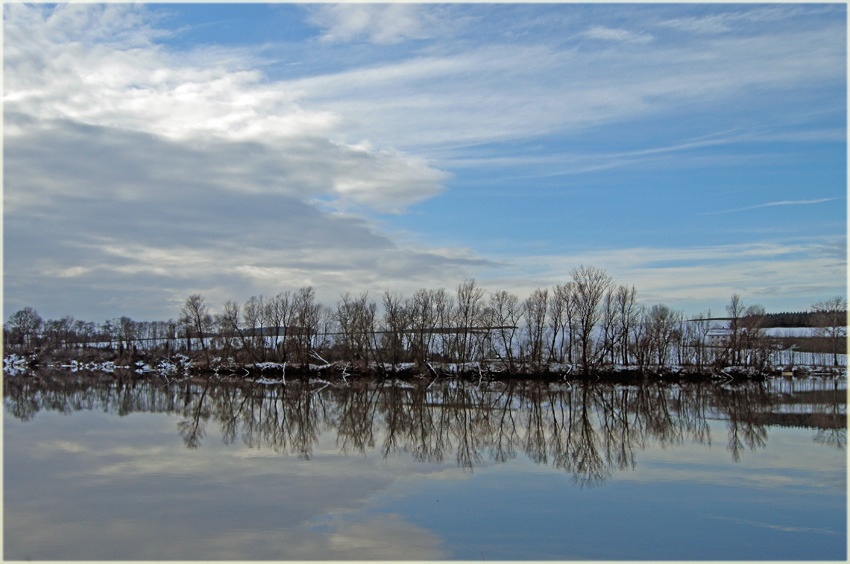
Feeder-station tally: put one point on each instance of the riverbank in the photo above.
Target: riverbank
(182, 366)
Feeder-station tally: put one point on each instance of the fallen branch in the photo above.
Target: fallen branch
(316, 355)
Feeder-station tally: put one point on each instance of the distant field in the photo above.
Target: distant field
(804, 343)
(790, 331)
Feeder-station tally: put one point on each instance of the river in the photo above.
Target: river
(100, 467)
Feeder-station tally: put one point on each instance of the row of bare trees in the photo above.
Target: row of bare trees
(286, 327)
(26, 330)
(587, 322)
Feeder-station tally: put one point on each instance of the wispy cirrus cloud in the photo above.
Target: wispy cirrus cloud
(383, 24)
(772, 204)
(614, 34)
(453, 98)
(703, 277)
(147, 169)
(729, 21)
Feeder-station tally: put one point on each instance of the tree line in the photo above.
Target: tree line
(801, 318)
(589, 322)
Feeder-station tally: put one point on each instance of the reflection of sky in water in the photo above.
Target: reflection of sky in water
(727, 511)
(95, 486)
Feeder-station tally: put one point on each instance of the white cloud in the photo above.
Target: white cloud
(705, 25)
(151, 91)
(612, 34)
(132, 170)
(445, 101)
(729, 21)
(382, 24)
(130, 167)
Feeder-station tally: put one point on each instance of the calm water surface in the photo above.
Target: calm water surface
(97, 469)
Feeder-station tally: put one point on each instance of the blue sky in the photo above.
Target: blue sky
(157, 150)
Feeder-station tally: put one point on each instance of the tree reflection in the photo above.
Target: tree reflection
(617, 431)
(355, 425)
(588, 430)
(505, 426)
(743, 406)
(588, 466)
(192, 428)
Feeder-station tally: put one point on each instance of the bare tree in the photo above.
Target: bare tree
(558, 307)
(59, 333)
(228, 324)
(641, 339)
(663, 324)
(467, 318)
(562, 312)
(252, 314)
(24, 326)
(830, 321)
(735, 311)
(591, 283)
(397, 319)
(278, 315)
(423, 319)
(196, 317)
(444, 310)
(626, 304)
(752, 337)
(535, 308)
(356, 318)
(305, 316)
(127, 329)
(698, 333)
(85, 332)
(610, 325)
(506, 313)
(327, 328)
(745, 333)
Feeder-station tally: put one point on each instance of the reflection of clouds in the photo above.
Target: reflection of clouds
(659, 473)
(63, 446)
(38, 535)
(382, 537)
(791, 462)
(128, 497)
(126, 460)
(132, 480)
(784, 528)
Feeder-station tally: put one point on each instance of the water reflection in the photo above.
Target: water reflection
(588, 430)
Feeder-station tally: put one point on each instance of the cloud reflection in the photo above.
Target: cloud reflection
(293, 472)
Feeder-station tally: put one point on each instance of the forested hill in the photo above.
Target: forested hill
(794, 319)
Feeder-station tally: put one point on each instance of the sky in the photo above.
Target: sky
(153, 151)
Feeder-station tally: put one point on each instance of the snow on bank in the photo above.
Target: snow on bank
(791, 331)
(15, 365)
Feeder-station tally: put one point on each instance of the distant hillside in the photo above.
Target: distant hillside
(792, 319)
